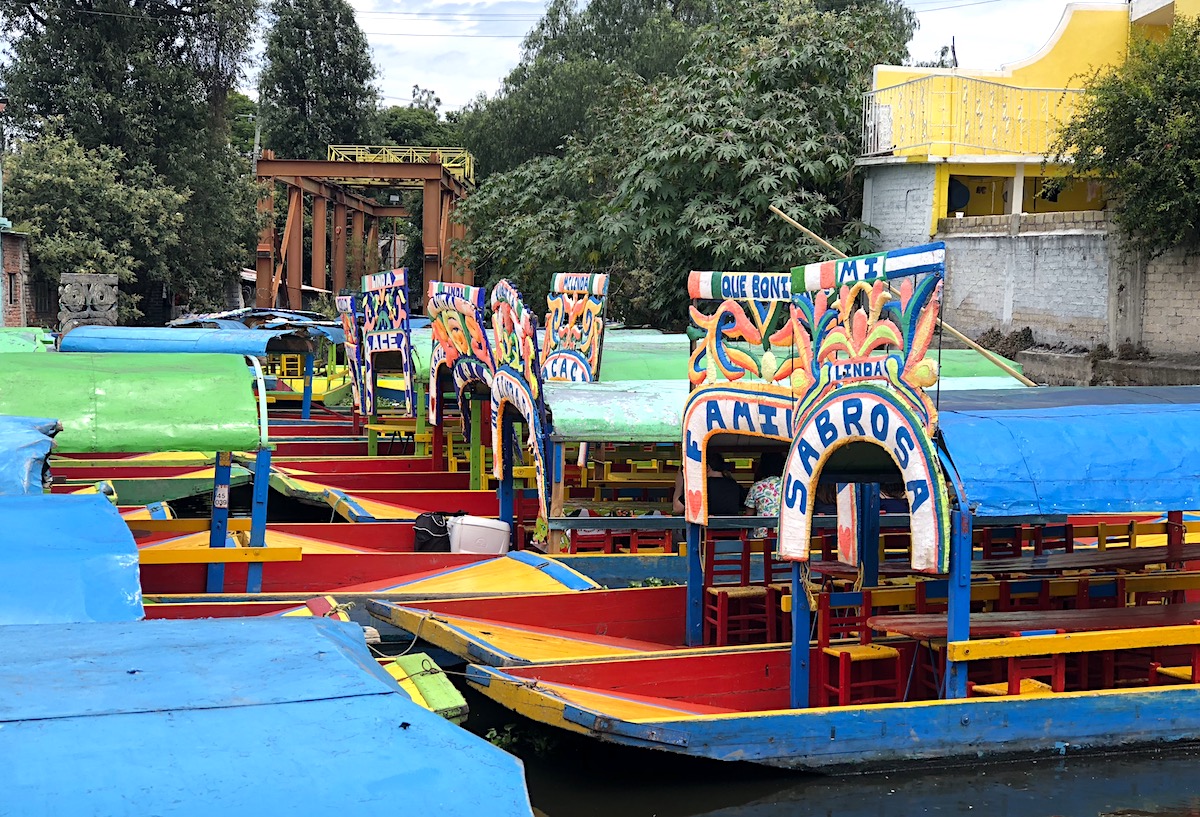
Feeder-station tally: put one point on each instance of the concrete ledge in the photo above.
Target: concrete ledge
(1077, 369)
(1056, 368)
(1163, 372)
(1083, 221)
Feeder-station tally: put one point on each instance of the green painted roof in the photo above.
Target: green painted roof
(25, 339)
(136, 403)
(631, 411)
(969, 363)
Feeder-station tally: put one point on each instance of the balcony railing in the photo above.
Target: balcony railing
(946, 114)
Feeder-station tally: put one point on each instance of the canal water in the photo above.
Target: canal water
(573, 776)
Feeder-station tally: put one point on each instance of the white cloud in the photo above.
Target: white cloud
(987, 35)
(457, 48)
(461, 48)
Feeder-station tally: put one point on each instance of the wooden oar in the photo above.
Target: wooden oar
(994, 358)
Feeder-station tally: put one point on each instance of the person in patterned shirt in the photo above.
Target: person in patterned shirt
(763, 498)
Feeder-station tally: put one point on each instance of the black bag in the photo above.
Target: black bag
(430, 534)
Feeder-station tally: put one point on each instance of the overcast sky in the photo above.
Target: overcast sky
(460, 48)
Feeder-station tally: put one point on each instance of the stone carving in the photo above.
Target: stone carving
(86, 299)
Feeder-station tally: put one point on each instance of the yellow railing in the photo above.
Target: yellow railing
(458, 161)
(946, 114)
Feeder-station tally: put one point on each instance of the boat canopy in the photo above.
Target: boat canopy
(205, 341)
(25, 444)
(25, 339)
(628, 411)
(129, 706)
(1057, 451)
(136, 403)
(66, 559)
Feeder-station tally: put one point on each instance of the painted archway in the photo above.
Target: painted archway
(758, 410)
(517, 381)
(460, 344)
(877, 416)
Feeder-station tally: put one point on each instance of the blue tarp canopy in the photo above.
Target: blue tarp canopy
(165, 339)
(25, 444)
(1056, 451)
(247, 716)
(66, 559)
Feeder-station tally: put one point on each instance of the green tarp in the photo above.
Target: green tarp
(136, 403)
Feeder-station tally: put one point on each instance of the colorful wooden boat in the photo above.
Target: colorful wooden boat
(885, 681)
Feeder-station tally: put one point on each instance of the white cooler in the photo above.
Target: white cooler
(478, 534)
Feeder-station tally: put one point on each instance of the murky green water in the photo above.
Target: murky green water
(571, 776)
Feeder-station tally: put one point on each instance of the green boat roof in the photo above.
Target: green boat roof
(630, 411)
(25, 339)
(637, 355)
(136, 403)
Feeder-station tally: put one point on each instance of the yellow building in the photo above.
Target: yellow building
(940, 142)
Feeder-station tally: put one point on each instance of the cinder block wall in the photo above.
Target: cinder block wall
(1047, 271)
(898, 201)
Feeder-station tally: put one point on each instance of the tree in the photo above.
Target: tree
(570, 60)
(316, 87)
(1136, 127)
(419, 123)
(87, 212)
(150, 79)
(764, 110)
(242, 116)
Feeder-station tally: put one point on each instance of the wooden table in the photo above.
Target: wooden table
(930, 626)
(1110, 558)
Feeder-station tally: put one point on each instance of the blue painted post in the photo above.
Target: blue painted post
(507, 493)
(306, 403)
(801, 626)
(958, 625)
(868, 532)
(695, 593)
(219, 527)
(258, 516)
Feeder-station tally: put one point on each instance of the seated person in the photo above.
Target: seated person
(763, 499)
(724, 494)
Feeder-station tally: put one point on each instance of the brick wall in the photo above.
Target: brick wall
(1047, 271)
(1171, 305)
(897, 201)
(14, 280)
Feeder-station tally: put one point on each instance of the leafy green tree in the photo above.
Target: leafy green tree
(570, 60)
(317, 84)
(150, 79)
(764, 110)
(242, 116)
(86, 211)
(1137, 127)
(419, 123)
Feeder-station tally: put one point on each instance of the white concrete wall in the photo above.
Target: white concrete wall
(898, 202)
(1049, 272)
